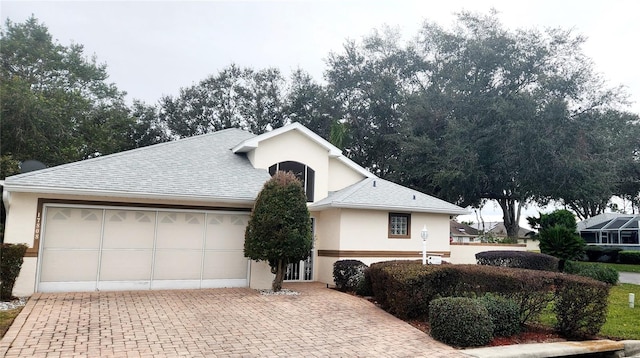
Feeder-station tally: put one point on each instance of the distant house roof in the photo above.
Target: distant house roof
(380, 194)
(198, 168)
(500, 230)
(610, 221)
(460, 229)
(598, 219)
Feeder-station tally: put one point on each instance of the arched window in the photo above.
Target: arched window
(301, 171)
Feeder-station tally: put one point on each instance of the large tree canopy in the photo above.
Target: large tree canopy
(511, 100)
(57, 105)
(471, 113)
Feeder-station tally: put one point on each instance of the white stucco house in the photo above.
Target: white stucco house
(173, 215)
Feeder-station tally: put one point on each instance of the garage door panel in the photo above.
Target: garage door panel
(224, 264)
(180, 230)
(73, 228)
(124, 265)
(129, 229)
(69, 265)
(177, 265)
(89, 248)
(226, 231)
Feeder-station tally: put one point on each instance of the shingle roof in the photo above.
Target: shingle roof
(460, 229)
(380, 194)
(500, 230)
(200, 168)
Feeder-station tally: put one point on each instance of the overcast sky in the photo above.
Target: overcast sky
(154, 48)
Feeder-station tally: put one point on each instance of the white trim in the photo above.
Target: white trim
(77, 286)
(252, 143)
(414, 209)
(353, 165)
(334, 152)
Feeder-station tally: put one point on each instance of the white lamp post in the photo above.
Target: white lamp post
(424, 234)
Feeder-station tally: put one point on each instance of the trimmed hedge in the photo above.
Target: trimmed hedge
(11, 258)
(580, 306)
(348, 274)
(406, 288)
(518, 259)
(504, 314)
(593, 253)
(629, 257)
(594, 271)
(460, 321)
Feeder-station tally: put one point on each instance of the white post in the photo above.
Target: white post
(424, 234)
(632, 299)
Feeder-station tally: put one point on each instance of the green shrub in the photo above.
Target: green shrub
(11, 258)
(610, 255)
(364, 286)
(594, 271)
(405, 288)
(580, 305)
(629, 257)
(504, 314)
(593, 253)
(348, 274)
(518, 259)
(460, 321)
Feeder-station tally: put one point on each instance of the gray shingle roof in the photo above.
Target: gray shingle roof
(201, 167)
(380, 194)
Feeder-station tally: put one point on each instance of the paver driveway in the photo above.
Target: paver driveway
(213, 323)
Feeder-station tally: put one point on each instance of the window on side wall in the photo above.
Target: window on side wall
(399, 226)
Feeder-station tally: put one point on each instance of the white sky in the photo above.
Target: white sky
(153, 48)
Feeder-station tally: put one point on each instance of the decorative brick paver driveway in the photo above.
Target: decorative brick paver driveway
(319, 322)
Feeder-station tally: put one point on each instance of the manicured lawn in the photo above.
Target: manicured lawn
(618, 267)
(6, 318)
(622, 321)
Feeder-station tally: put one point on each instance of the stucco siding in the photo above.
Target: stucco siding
(327, 234)
(341, 176)
(294, 146)
(466, 253)
(21, 219)
(368, 230)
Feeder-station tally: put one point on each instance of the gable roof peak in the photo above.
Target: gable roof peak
(252, 143)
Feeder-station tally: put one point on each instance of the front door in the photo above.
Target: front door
(303, 270)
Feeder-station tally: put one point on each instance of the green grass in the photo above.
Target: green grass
(618, 267)
(622, 321)
(6, 318)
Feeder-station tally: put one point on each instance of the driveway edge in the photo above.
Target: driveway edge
(17, 324)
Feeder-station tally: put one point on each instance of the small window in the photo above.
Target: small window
(399, 225)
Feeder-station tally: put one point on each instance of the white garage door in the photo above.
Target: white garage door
(93, 248)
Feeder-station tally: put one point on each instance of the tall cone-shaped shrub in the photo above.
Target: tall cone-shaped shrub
(279, 230)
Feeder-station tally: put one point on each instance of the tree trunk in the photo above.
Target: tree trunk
(511, 217)
(280, 271)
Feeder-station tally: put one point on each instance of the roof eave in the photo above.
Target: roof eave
(126, 194)
(387, 208)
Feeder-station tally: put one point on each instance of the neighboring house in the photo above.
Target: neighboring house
(462, 233)
(173, 215)
(499, 230)
(612, 229)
